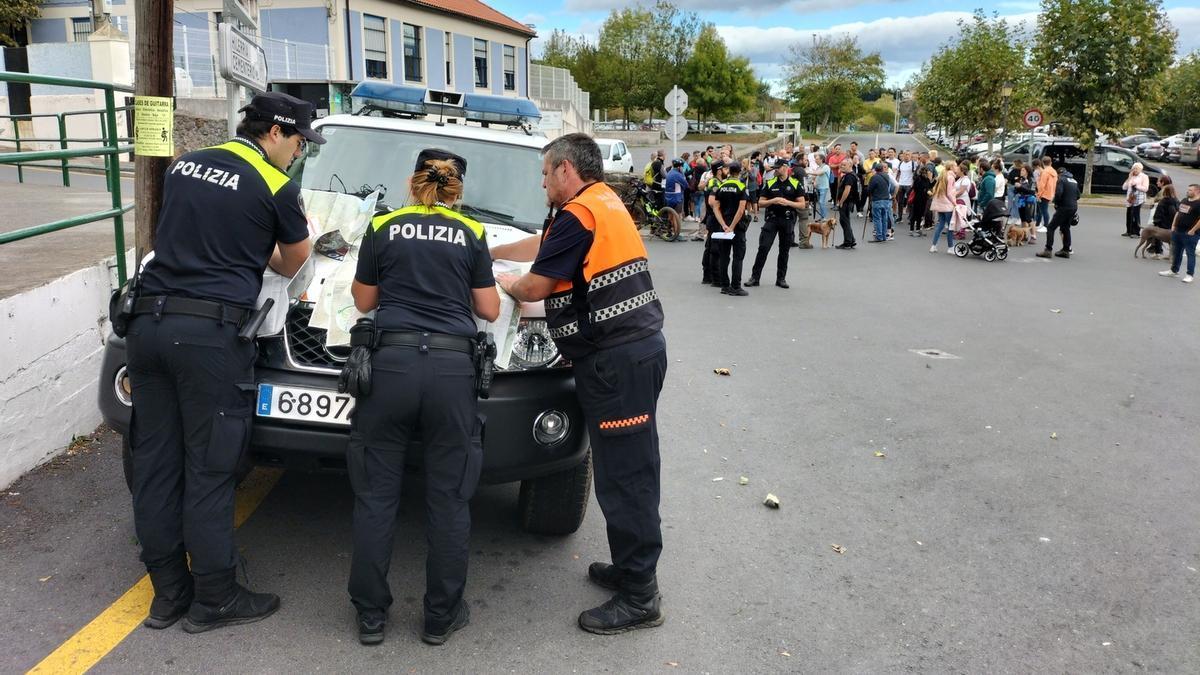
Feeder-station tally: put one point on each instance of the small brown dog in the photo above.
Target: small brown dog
(823, 228)
(1149, 234)
(1018, 236)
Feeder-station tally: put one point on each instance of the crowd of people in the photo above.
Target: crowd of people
(939, 197)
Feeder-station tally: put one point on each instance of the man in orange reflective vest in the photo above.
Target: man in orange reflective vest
(590, 267)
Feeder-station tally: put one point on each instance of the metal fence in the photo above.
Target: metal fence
(557, 84)
(197, 74)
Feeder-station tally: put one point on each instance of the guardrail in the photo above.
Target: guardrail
(110, 150)
(63, 140)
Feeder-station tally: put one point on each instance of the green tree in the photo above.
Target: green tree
(1098, 62)
(825, 82)
(13, 15)
(626, 60)
(675, 33)
(717, 83)
(962, 85)
(1181, 91)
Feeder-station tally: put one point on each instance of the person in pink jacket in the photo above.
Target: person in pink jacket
(1136, 186)
(943, 208)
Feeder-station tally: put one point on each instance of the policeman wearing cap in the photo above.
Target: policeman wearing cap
(729, 203)
(712, 252)
(783, 197)
(427, 269)
(228, 211)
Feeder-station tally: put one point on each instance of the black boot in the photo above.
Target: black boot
(753, 282)
(173, 591)
(221, 601)
(437, 635)
(370, 628)
(605, 575)
(782, 283)
(636, 605)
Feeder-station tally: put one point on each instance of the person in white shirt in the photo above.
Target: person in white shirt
(906, 171)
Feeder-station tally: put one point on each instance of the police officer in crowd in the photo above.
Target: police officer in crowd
(712, 252)
(590, 267)
(427, 269)
(1066, 210)
(728, 203)
(228, 211)
(783, 197)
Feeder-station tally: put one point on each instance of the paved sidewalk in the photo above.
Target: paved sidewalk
(32, 262)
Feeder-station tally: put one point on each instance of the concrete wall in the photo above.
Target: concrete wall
(435, 58)
(53, 339)
(634, 138)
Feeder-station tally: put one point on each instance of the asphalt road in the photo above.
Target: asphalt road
(1034, 507)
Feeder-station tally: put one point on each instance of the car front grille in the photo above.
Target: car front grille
(306, 345)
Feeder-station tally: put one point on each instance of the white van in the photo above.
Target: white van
(616, 156)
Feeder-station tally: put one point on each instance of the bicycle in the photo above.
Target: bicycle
(664, 222)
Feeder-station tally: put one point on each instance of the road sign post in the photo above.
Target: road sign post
(676, 128)
(241, 60)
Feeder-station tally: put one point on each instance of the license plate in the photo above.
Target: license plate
(305, 405)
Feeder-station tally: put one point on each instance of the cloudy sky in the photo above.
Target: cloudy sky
(905, 32)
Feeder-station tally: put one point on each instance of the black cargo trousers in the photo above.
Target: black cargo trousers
(193, 405)
(429, 394)
(772, 229)
(618, 390)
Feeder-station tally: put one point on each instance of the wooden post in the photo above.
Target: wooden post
(155, 76)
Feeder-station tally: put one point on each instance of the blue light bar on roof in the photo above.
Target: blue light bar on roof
(422, 102)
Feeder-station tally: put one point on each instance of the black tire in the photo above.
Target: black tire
(671, 224)
(961, 249)
(989, 255)
(243, 470)
(556, 504)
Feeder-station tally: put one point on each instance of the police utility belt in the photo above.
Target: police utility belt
(126, 304)
(355, 378)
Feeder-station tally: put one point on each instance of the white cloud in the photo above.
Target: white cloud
(700, 6)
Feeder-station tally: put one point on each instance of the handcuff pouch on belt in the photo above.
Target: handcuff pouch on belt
(355, 378)
(485, 363)
(120, 305)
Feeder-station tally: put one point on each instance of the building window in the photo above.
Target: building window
(449, 61)
(82, 28)
(375, 46)
(412, 53)
(481, 68)
(510, 68)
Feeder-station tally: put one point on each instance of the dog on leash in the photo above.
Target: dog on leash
(823, 228)
(1018, 236)
(1150, 234)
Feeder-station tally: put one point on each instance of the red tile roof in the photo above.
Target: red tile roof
(477, 11)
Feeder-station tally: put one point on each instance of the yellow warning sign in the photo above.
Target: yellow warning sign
(153, 126)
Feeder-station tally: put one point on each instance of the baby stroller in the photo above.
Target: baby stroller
(984, 235)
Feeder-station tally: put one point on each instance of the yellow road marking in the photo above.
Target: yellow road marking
(99, 637)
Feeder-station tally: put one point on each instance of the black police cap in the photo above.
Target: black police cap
(280, 108)
(434, 154)
(717, 165)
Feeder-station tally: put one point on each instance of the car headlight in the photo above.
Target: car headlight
(533, 346)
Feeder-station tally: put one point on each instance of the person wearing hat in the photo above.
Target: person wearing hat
(227, 213)
(428, 271)
(782, 197)
(711, 252)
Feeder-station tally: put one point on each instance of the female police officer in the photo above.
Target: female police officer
(426, 268)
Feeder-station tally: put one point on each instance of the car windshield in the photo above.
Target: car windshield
(503, 182)
(605, 149)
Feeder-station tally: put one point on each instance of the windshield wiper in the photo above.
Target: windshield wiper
(508, 220)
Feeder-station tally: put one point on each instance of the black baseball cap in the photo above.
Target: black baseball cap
(735, 166)
(434, 154)
(717, 165)
(285, 110)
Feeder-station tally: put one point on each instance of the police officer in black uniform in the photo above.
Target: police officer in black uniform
(428, 271)
(711, 251)
(783, 197)
(730, 200)
(228, 211)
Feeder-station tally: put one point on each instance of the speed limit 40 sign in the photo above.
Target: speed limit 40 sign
(1032, 118)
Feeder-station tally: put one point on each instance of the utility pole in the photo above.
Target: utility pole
(155, 76)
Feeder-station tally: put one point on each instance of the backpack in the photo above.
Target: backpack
(648, 174)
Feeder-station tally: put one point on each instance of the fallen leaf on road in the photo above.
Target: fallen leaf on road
(673, 664)
(880, 454)
(722, 371)
(838, 548)
(784, 653)
(1054, 435)
(1043, 538)
(1056, 311)
(743, 481)
(45, 579)
(718, 479)
(771, 501)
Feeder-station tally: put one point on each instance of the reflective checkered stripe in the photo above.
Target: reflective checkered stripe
(608, 425)
(564, 331)
(558, 302)
(623, 307)
(622, 272)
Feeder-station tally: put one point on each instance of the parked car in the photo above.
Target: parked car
(535, 432)
(717, 128)
(1110, 166)
(615, 154)
(1134, 140)
(740, 129)
(1173, 148)
(1189, 152)
(1150, 150)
